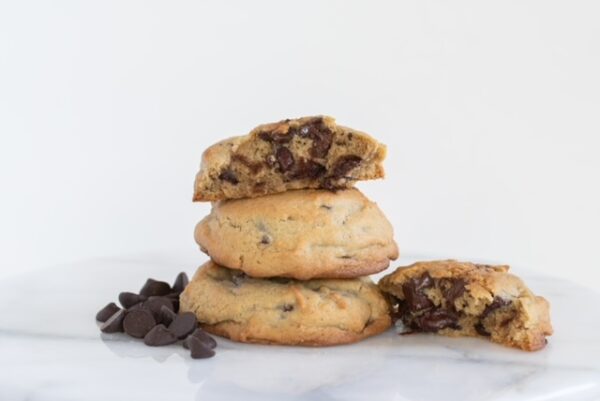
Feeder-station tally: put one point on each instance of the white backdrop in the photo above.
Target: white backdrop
(490, 111)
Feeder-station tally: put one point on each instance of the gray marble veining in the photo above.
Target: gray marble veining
(51, 350)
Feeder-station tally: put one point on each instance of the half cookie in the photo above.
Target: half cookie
(283, 311)
(465, 299)
(300, 234)
(309, 152)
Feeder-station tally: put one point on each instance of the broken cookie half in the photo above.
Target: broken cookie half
(465, 299)
(309, 152)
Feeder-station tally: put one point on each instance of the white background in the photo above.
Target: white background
(490, 111)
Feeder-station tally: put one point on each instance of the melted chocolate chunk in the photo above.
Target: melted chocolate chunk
(308, 169)
(497, 303)
(321, 144)
(288, 308)
(344, 165)
(310, 129)
(285, 158)
(416, 300)
(436, 320)
(254, 167)
(480, 329)
(229, 176)
(277, 138)
(452, 289)
(265, 240)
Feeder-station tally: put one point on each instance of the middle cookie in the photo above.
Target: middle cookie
(301, 234)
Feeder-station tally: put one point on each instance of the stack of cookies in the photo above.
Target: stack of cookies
(290, 239)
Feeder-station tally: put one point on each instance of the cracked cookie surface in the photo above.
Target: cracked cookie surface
(285, 311)
(309, 152)
(465, 299)
(301, 234)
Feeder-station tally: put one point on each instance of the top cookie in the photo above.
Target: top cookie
(309, 152)
(466, 299)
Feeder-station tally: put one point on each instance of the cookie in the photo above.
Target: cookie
(231, 304)
(300, 234)
(466, 299)
(309, 152)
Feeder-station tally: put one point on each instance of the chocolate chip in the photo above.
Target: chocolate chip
(129, 299)
(155, 304)
(138, 322)
(105, 313)
(344, 165)
(176, 305)
(166, 315)
(181, 281)
(285, 158)
(265, 240)
(288, 308)
(229, 176)
(198, 349)
(155, 288)
(308, 169)
(203, 337)
(416, 300)
(114, 324)
(183, 324)
(452, 289)
(151, 315)
(159, 336)
(436, 320)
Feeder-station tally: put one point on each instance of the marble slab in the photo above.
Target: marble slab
(51, 350)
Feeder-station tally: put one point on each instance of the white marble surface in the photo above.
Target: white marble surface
(52, 350)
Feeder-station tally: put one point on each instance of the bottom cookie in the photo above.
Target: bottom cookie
(465, 299)
(285, 311)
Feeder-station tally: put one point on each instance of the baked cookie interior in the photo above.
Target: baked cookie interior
(465, 299)
(309, 152)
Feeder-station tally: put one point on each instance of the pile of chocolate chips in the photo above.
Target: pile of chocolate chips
(152, 314)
